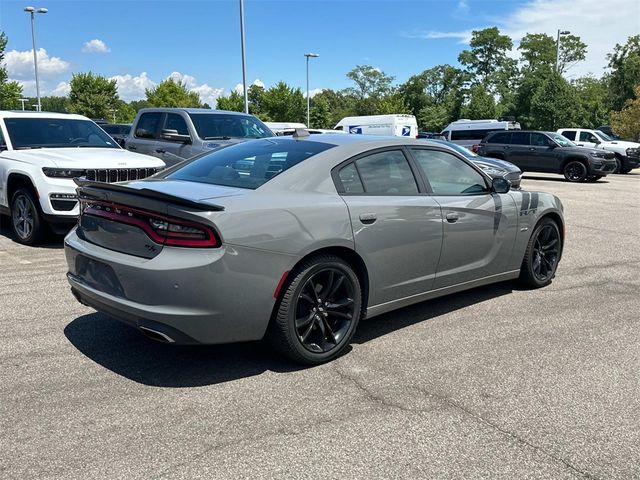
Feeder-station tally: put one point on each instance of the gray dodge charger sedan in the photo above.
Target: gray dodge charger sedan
(295, 239)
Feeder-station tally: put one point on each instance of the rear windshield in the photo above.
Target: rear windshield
(27, 133)
(219, 126)
(116, 129)
(248, 164)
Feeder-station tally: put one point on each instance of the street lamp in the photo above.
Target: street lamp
(560, 32)
(309, 55)
(33, 11)
(244, 68)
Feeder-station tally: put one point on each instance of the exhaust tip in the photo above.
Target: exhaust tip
(156, 335)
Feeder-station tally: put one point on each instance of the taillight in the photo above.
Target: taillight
(161, 229)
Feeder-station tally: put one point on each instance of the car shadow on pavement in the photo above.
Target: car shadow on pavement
(126, 352)
(52, 241)
(558, 179)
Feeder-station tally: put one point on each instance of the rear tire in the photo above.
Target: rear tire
(26, 220)
(318, 312)
(542, 255)
(575, 171)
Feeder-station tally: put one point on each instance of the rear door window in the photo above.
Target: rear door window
(502, 137)
(387, 173)
(570, 134)
(148, 125)
(519, 138)
(539, 140)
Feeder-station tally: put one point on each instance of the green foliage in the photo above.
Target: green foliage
(282, 103)
(10, 92)
(320, 115)
(434, 118)
(592, 109)
(481, 104)
(552, 104)
(92, 95)
(624, 63)
(125, 113)
(340, 105)
(170, 93)
(538, 53)
(572, 51)
(626, 122)
(234, 102)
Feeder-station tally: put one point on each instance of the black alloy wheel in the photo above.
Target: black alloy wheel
(319, 311)
(542, 255)
(619, 166)
(575, 171)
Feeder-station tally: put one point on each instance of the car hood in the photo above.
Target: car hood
(583, 150)
(621, 144)
(494, 162)
(84, 158)
(196, 192)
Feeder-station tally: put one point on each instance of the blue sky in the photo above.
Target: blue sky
(141, 43)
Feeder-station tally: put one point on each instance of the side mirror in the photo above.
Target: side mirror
(174, 136)
(500, 185)
(552, 144)
(3, 147)
(594, 140)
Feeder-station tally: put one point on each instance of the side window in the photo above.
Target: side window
(148, 125)
(350, 179)
(519, 138)
(176, 122)
(448, 175)
(570, 134)
(499, 138)
(3, 144)
(387, 173)
(539, 140)
(588, 137)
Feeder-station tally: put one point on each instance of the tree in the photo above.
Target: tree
(434, 118)
(626, 122)
(624, 63)
(340, 105)
(125, 113)
(92, 95)
(537, 53)
(320, 115)
(10, 92)
(170, 93)
(592, 109)
(552, 104)
(138, 104)
(282, 103)
(234, 102)
(481, 104)
(572, 51)
(372, 85)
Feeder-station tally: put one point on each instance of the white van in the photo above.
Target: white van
(279, 127)
(398, 125)
(470, 132)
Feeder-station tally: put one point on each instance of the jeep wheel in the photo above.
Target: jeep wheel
(575, 171)
(26, 220)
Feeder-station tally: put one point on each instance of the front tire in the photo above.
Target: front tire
(575, 171)
(542, 255)
(318, 312)
(26, 221)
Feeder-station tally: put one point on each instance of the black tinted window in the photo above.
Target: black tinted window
(350, 179)
(519, 138)
(248, 164)
(448, 175)
(148, 125)
(176, 122)
(570, 134)
(539, 140)
(219, 125)
(502, 137)
(387, 173)
(56, 132)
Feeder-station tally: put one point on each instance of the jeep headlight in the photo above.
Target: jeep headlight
(63, 172)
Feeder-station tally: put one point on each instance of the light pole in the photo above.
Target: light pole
(560, 32)
(309, 55)
(244, 68)
(33, 11)
(22, 100)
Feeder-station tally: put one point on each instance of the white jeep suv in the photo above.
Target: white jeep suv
(41, 154)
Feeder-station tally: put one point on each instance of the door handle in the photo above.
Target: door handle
(160, 150)
(531, 149)
(368, 218)
(452, 217)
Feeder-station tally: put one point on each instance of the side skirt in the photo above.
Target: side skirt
(440, 292)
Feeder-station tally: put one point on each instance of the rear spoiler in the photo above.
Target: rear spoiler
(97, 190)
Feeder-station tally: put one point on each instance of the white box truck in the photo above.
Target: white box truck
(398, 125)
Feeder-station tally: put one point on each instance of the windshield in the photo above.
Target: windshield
(26, 133)
(219, 126)
(562, 141)
(248, 164)
(603, 136)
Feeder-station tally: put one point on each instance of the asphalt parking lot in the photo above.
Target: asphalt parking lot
(496, 382)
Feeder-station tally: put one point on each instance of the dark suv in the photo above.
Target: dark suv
(548, 152)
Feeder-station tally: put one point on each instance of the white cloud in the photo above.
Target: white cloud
(239, 89)
(462, 9)
(20, 64)
(207, 93)
(132, 87)
(598, 25)
(313, 92)
(61, 90)
(95, 46)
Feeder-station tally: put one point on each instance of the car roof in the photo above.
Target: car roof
(339, 139)
(32, 114)
(207, 111)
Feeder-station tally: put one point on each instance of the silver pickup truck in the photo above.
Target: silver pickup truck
(174, 134)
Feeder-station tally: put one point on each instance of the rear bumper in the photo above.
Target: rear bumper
(191, 296)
